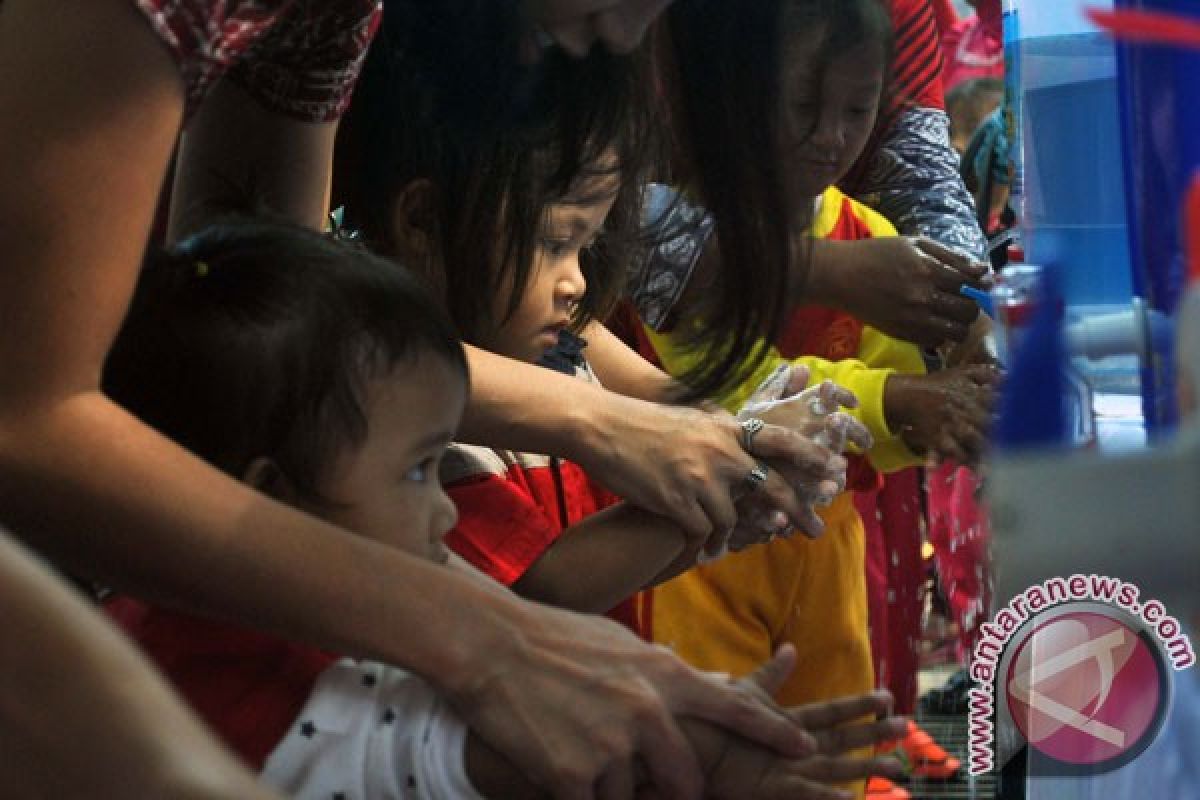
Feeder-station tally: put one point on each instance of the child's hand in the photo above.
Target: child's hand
(814, 411)
(735, 768)
(946, 414)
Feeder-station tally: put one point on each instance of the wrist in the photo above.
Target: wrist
(897, 402)
(822, 285)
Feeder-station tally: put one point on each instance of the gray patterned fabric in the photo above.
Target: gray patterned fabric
(680, 231)
(913, 180)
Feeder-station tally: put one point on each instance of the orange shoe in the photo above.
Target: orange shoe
(922, 756)
(882, 789)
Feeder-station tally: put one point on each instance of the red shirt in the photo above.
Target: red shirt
(297, 57)
(247, 686)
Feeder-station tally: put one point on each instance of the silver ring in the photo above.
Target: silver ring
(750, 429)
(756, 477)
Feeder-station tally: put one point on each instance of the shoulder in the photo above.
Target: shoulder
(298, 57)
(841, 217)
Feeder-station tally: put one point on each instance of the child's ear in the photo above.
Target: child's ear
(413, 219)
(265, 475)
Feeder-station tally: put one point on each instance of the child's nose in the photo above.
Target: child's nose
(829, 134)
(445, 515)
(571, 284)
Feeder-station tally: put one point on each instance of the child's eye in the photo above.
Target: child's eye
(421, 472)
(556, 247)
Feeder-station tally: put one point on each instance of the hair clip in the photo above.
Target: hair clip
(201, 268)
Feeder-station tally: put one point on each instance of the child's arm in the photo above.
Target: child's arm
(605, 559)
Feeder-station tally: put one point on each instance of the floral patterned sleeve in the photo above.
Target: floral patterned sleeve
(913, 179)
(297, 57)
(679, 231)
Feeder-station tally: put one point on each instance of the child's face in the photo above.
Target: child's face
(829, 114)
(388, 489)
(556, 283)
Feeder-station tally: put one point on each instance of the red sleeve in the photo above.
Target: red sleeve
(916, 78)
(501, 530)
(947, 17)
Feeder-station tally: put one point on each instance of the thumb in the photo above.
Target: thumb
(771, 676)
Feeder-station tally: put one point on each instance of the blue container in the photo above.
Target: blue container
(1161, 128)
(1071, 188)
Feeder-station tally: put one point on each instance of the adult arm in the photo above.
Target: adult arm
(81, 712)
(680, 462)
(89, 125)
(266, 161)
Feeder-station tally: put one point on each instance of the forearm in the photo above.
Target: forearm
(268, 162)
(509, 408)
(624, 371)
(603, 560)
(82, 714)
(73, 482)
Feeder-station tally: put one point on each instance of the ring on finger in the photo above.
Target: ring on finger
(750, 429)
(756, 477)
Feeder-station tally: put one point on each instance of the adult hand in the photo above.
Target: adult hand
(907, 287)
(688, 464)
(576, 700)
(812, 412)
(575, 25)
(737, 769)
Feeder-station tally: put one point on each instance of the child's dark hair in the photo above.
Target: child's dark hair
(727, 60)
(255, 339)
(496, 149)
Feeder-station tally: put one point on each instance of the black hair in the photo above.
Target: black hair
(255, 339)
(443, 98)
(726, 63)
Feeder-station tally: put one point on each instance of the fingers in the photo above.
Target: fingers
(722, 516)
(669, 759)
(953, 306)
(797, 380)
(771, 676)
(805, 457)
(857, 434)
(829, 769)
(740, 711)
(778, 494)
(831, 713)
(835, 741)
(958, 267)
(833, 397)
(692, 517)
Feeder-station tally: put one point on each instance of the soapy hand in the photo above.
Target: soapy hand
(815, 413)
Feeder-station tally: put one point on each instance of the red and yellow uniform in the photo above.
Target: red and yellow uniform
(512, 507)
(731, 615)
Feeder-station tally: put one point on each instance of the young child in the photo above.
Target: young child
(325, 377)
(811, 593)
(526, 232)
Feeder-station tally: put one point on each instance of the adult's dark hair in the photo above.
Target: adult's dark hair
(255, 339)
(444, 99)
(725, 63)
